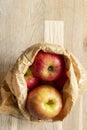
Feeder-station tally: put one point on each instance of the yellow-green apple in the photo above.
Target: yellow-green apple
(44, 102)
(47, 66)
(30, 79)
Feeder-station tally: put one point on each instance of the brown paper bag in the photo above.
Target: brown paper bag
(13, 92)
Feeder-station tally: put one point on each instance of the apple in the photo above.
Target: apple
(30, 79)
(44, 102)
(47, 66)
(61, 80)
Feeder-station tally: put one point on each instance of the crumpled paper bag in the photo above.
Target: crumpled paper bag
(13, 91)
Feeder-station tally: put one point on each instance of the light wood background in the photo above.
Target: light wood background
(21, 25)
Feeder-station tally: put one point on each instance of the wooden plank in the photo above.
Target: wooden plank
(14, 123)
(73, 17)
(28, 125)
(5, 122)
(84, 61)
(73, 14)
(21, 24)
(74, 42)
(54, 33)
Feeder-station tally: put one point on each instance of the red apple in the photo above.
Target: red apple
(47, 66)
(44, 102)
(30, 79)
(61, 80)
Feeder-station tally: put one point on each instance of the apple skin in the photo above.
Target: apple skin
(44, 102)
(59, 83)
(30, 79)
(47, 66)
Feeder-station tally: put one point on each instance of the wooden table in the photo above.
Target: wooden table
(21, 25)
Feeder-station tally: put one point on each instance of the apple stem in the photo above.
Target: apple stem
(51, 68)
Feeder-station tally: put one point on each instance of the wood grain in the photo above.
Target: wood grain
(22, 24)
(84, 59)
(54, 33)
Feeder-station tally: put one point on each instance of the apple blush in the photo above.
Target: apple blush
(47, 66)
(31, 81)
(44, 102)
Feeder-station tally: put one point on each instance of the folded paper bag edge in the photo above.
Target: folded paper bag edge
(26, 59)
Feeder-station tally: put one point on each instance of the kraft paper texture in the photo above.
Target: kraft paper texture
(13, 90)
